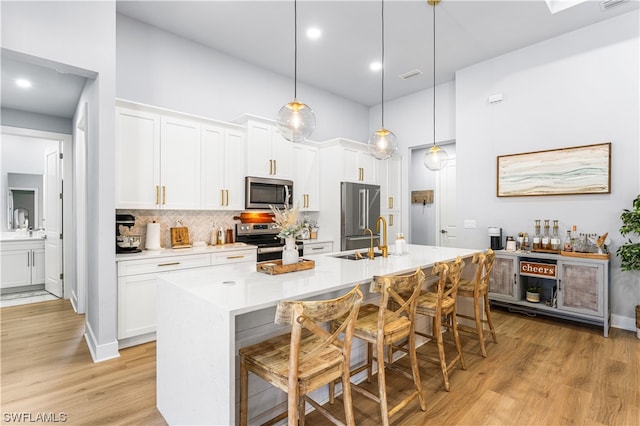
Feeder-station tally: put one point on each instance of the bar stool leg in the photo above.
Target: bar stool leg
(476, 315)
(244, 393)
(487, 309)
(414, 368)
(369, 361)
(437, 329)
(456, 335)
(382, 383)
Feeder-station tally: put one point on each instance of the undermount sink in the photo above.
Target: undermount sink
(352, 256)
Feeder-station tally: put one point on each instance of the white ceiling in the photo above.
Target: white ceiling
(467, 32)
(261, 33)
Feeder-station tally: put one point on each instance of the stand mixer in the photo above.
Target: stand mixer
(125, 242)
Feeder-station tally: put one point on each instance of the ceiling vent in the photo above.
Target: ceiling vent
(410, 74)
(608, 4)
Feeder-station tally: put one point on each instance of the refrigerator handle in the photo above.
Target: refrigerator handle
(367, 218)
(362, 209)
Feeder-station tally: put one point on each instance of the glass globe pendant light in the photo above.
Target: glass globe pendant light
(382, 143)
(296, 120)
(435, 158)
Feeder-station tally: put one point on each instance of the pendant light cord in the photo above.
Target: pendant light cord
(382, 89)
(434, 74)
(295, 49)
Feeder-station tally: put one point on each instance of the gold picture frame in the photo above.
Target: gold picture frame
(566, 171)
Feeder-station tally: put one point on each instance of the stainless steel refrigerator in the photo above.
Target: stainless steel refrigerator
(360, 207)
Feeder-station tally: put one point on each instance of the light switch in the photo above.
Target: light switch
(470, 224)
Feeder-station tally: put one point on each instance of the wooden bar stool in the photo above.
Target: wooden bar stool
(307, 358)
(437, 305)
(387, 323)
(478, 290)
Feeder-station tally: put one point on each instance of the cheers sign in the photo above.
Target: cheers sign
(533, 269)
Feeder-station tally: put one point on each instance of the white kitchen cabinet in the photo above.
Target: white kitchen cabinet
(137, 159)
(22, 263)
(306, 160)
(389, 178)
(157, 161)
(137, 286)
(179, 163)
(358, 165)
(222, 168)
(268, 153)
(313, 247)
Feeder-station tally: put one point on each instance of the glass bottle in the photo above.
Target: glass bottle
(568, 244)
(555, 237)
(536, 237)
(546, 238)
(525, 242)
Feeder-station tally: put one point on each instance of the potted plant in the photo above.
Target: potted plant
(533, 293)
(629, 252)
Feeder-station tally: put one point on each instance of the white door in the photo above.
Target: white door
(53, 221)
(447, 210)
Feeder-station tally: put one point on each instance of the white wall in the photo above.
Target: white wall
(81, 36)
(576, 89)
(161, 69)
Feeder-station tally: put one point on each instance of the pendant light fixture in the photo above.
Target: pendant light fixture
(382, 143)
(296, 120)
(435, 158)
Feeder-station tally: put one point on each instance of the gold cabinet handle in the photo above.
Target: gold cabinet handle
(226, 191)
(157, 194)
(222, 197)
(390, 220)
(270, 167)
(275, 167)
(169, 264)
(235, 257)
(390, 202)
(164, 195)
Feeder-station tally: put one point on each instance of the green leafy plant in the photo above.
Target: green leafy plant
(629, 252)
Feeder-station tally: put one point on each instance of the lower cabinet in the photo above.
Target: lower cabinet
(312, 247)
(22, 263)
(137, 288)
(574, 288)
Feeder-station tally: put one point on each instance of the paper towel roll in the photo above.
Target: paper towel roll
(153, 236)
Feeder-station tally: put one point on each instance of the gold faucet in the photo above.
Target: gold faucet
(370, 252)
(384, 248)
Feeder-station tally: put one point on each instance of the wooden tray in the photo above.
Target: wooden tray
(545, 251)
(275, 267)
(604, 256)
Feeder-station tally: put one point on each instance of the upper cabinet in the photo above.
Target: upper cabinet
(306, 179)
(137, 159)
(390, 183)
(157, 161)
(268, 153)
(222, 168)
(166, 160)
(358, 165)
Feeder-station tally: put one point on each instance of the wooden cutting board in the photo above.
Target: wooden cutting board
(180, 237)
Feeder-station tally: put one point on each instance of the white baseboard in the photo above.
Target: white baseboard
(100, 352)
(624, 323)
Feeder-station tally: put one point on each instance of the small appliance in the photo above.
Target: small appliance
(262, 193)
(495, 235)
(125, 242)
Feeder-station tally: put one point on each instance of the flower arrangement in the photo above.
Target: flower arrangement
(287, 220)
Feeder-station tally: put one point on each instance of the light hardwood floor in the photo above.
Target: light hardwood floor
(542, 372)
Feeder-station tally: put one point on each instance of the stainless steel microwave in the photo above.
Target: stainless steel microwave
(260, 193)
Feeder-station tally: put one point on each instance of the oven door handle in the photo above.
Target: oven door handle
(263, 250)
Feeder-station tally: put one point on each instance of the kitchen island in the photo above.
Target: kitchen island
(204, 315)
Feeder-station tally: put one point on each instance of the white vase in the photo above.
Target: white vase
(290, 252)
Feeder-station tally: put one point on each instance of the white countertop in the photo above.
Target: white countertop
(7, 237)
(168, 252)
(243, 289)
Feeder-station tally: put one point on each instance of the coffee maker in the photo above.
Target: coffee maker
(125, 242)
(495, 235)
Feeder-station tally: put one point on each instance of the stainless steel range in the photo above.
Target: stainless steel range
(265, 237)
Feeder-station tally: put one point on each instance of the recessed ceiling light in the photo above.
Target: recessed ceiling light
(375, 66)
(314, 33)
(23, 82)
